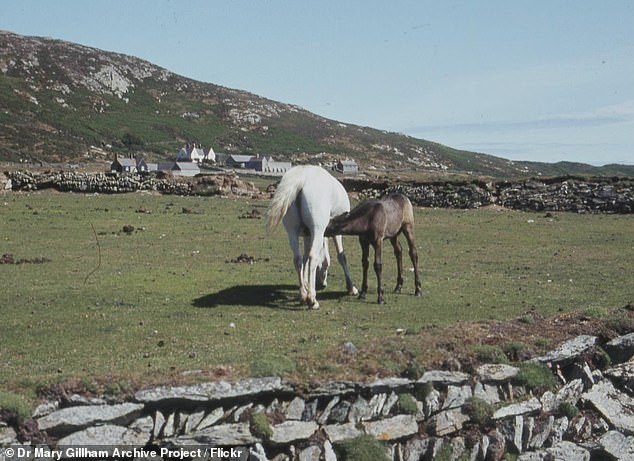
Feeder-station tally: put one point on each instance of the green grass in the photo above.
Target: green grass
(146, 307)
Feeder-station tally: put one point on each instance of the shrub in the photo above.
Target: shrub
(362, 448)
(260, 426)
(490, 354)
(535, 376)
(568, 409)
(478, 410)
(413, 370)
(407, 404)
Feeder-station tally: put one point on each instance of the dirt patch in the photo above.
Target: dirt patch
(8, 258)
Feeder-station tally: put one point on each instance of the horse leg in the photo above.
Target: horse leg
(365, 264)
(378, 269)
(293, 241)
(321, 279)
(408, 231)
(310, 267)
(398, 253)
(341, 257)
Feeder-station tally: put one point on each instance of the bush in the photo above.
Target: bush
(490, 354)
(568, 409)
(362, 448)
(260, 426)
(535, 376)
(407, 404)
(413, 370)
(478, 410)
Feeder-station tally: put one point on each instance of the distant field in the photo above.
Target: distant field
(145, 306)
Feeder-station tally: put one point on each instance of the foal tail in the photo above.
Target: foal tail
(286, 193)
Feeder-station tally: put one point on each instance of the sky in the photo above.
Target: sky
(537, 80)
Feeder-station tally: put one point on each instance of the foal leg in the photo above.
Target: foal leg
(398, 253)
(408, 231)
(365, 264)
(378, 269)
(341, 257)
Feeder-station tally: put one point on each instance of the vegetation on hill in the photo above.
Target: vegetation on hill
(63, 102)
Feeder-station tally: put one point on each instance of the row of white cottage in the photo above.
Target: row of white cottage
(189, 158)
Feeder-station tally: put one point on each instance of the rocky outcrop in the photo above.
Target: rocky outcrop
(589, 416)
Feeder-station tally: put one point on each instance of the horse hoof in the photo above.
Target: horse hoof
(418, 293)
(314, 305)
(380, 301)
(353, 291)
(397, 290)
(361, 295)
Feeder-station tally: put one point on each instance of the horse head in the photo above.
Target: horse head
(336, 224)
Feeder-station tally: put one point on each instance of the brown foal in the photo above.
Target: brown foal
(374, 221)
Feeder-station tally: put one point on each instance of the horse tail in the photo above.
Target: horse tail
(286, 193)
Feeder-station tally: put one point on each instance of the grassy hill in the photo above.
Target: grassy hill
(64, 102)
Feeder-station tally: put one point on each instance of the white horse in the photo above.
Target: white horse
(305, 200)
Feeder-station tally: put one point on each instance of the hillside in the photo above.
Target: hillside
(64, 102)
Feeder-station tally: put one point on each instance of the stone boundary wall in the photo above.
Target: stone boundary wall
(595, 195)
(589, 416)
(115, 183)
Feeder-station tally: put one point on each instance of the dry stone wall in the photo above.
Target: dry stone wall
(115, 183)
(597, 195)
(589, 416)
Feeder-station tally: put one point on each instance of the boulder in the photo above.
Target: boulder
(203, 392)
(71, 419)
(617, 445)
(444, 377)
(496, 372)
(615, 406)
(223, 435)
(107, 435)
(522, 408)
(290, 431)
(568, 351)
(393, 428)
(621, 349)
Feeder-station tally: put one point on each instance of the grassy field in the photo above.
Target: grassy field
(172, 301)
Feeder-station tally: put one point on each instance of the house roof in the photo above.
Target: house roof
(186, 166)
(240, 158)
(126, 161)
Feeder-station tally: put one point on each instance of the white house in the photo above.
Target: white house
(197, 154)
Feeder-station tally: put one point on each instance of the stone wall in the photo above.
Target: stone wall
(588, 416)
(607, 195)
(113, 183)
(597, 195)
